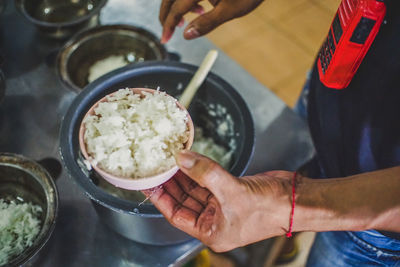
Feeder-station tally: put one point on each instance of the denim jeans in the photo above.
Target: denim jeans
(365, 248)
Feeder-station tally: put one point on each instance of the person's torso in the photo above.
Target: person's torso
(357, 129)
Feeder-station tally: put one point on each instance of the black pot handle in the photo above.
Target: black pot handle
(52, 165)
(173, 56)
(2, 85)
(51, 58)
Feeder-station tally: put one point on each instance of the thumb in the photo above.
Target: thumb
(207, 22)
(206, 172)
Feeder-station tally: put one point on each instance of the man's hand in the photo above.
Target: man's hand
(223, 211)
(172, 12)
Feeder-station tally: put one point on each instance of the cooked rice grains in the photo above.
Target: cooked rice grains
(209, 148)
(133, 136)
(19, 226)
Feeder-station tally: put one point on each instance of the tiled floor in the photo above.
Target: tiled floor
(277, 44)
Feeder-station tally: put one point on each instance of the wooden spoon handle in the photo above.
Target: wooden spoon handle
(198, 78)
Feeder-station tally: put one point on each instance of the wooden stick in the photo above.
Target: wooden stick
(198, 78)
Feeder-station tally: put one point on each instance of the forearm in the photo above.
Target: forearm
(365, 201)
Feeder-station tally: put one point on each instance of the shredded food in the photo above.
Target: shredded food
(19, 226)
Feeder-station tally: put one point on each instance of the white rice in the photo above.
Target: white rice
(136, 137)
(19, 226)
(106, 65)
(207, 147)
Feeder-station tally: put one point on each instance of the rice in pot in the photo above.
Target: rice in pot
(19, 226)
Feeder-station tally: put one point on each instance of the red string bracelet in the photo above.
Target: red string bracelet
(289, 233)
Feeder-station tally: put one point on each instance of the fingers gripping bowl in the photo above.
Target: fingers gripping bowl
(130, 137)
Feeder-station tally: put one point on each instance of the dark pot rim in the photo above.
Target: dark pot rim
(20, 4)
(69, 147)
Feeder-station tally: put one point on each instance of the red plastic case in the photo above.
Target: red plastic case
(351, 34)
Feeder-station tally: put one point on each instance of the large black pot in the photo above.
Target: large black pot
(143, 223)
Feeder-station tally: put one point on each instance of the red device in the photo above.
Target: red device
(351, 34)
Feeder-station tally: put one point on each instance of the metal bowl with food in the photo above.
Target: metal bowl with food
(217, 109)
(28, 204)
(61, 18)
(94, 52)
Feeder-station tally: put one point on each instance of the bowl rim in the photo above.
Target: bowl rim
(83, 36)
(126, 182)
(15, 161)
(69, 132)
(20, 4)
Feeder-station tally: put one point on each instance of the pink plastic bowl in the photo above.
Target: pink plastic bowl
(126, 182)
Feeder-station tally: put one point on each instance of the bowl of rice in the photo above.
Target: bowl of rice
(28, 209)
(130, 137)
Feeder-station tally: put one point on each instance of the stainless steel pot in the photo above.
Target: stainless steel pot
(143, 223)
(28, 180)
(77, 57)
(60, 18)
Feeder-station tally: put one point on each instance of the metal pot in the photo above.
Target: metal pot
(77, 57)
(143, 223)
(28, 180)
(60, 18)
